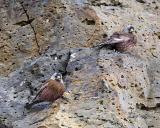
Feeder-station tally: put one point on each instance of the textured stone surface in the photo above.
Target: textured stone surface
(104, 88)
(56, 24)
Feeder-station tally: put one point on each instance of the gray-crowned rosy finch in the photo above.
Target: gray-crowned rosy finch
(120, 41)
(50, 91)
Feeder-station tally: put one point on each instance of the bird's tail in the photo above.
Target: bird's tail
(29, 105)
(102, 45)
(105, 43)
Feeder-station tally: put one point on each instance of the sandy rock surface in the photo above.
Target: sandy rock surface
(104, 88)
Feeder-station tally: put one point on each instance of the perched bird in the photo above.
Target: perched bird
(50, 91)
(120, 41)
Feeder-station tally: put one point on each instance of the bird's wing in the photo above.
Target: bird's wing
(119, 38)
(116, 40)
(41, 89)
(57, 88)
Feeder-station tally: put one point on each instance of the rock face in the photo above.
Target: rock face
(104, 88)
(30, 28)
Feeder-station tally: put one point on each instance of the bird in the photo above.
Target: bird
(52, 90)
(120, 41)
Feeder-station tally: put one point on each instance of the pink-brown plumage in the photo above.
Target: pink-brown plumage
(120, 41)
(50, 91)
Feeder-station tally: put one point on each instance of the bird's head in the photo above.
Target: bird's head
(57, 76)
(129, 29)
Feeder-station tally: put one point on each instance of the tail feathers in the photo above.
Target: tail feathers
(102, 45)
(29, 105)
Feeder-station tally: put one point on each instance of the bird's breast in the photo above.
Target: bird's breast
(52, 92)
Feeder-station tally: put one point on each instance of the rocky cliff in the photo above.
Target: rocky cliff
(104, 88)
